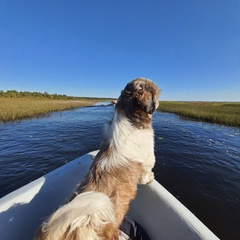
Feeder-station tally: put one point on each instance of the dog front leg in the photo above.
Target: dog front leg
(147, 177)
(147, 166)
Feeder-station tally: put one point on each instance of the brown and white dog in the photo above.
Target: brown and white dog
(125, 159)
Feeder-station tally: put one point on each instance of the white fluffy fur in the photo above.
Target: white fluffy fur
(87, 211)
(130, 143)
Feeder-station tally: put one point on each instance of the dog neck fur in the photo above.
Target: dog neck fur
(124, 142)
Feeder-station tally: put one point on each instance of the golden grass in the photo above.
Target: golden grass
(213, 112)
(13, 109)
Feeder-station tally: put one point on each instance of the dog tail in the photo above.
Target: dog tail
(80, 218)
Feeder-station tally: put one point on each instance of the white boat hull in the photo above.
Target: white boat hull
(159, 213)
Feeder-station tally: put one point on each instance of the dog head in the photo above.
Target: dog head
(138, 101)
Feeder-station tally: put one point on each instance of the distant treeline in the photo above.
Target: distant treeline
(39, 95)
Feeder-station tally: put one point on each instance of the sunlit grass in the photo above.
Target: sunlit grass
(212, 112)
(13, 109)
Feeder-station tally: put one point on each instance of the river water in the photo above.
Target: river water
(199, 163)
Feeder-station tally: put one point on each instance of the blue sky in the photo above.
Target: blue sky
(189, 48)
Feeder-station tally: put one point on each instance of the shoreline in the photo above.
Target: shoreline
(16, 109)
(223, 113)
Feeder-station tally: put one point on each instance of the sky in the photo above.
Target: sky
(189, 48)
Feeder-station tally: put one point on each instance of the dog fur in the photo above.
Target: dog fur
(125, 159)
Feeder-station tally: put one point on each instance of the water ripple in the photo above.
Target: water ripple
(197, 162)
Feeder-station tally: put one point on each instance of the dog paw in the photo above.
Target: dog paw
(147, 178)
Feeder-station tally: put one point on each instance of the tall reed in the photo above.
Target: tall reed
(12, 109)
(212, 112)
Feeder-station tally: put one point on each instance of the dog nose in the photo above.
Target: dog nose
(152, 108)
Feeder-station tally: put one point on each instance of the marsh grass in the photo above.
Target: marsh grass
(212, 112)
(13, 109)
